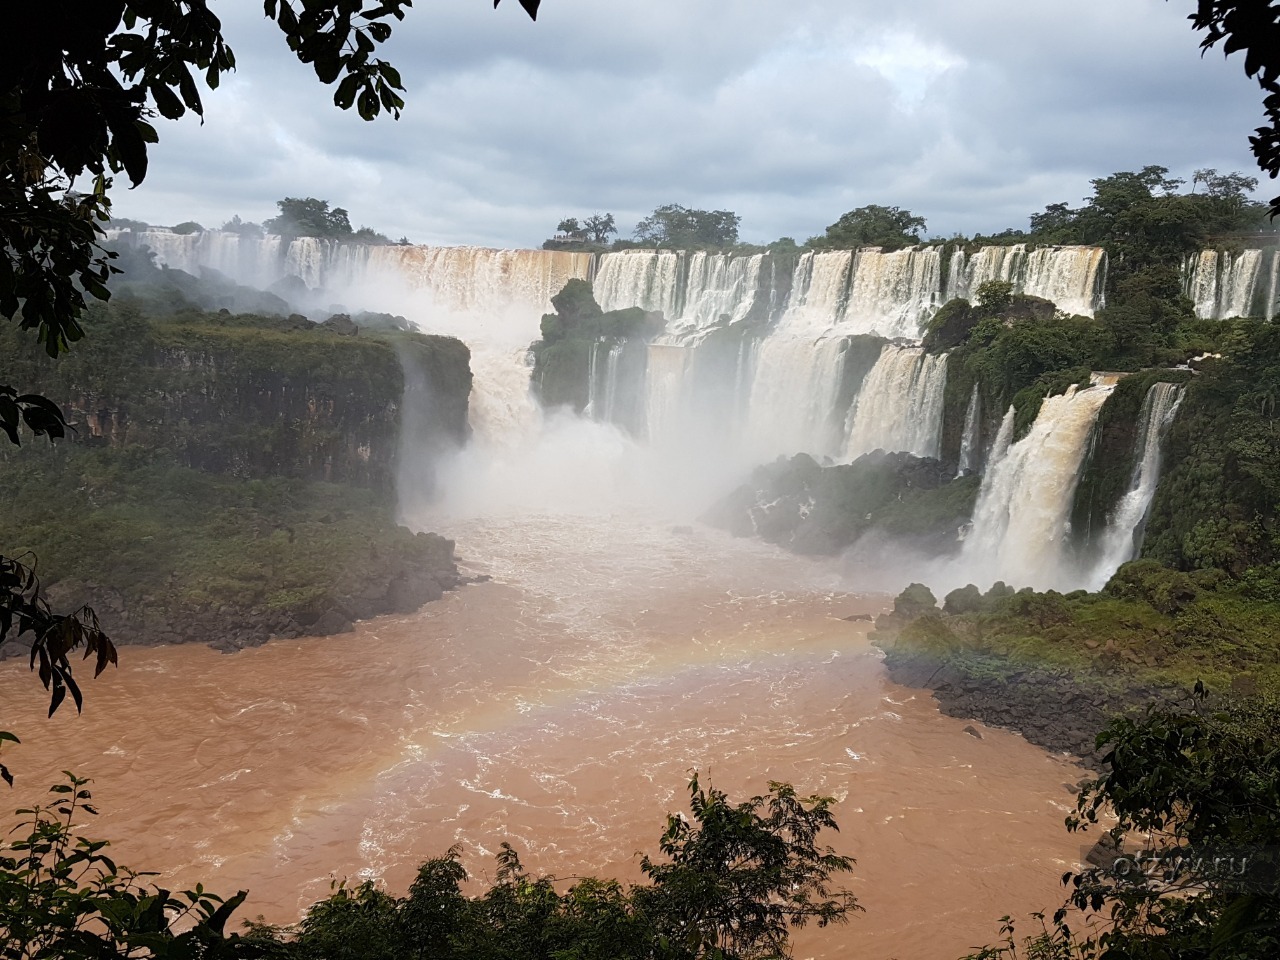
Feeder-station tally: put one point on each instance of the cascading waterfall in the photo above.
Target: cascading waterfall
(648, 279)
(665, 389)
(969, 438)
(1122, 538)
(1004, 436)
(719, 286)
(988, 263)
(1270, 306)
(1223, 284)
(610, 412)
(1071, 276)
(797, 370)
(792, 408)
(787, 386)
(1022, 517)
(900, 404)
(892, 294)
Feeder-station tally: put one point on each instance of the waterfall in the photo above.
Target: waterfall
(900, 404)
(1271, 309)
(1022, 517)
(969, 438)
(892, 294)
(648, 279)
(1004, 437)
(1122, 538)
(993, 263)
(1222, 284)
(610, 412)
(1071, 276)
(666, 385)
(957, 285)
(719, 285)
(819, 289)
(792, 407)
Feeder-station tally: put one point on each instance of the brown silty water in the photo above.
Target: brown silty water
(561, 707)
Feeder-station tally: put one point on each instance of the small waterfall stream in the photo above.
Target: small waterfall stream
(1122, 539)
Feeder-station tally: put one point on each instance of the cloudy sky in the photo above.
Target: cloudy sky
(973, 115)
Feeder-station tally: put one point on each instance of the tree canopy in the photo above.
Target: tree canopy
(672, 225)
(872, 226)
(1252, 26)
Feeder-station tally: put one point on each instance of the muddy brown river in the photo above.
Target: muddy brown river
(560, 707)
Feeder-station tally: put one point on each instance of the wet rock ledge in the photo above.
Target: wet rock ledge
(1053, 710)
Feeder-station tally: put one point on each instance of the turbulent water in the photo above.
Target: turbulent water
(1072, 277)
(560, 707)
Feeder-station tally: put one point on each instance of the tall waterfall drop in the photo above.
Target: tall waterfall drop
(1122, 539)
(1022, 518)
(900, 404)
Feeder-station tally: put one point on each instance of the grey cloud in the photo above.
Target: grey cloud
(779, 112)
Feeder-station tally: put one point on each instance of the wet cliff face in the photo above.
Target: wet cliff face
(256, 397)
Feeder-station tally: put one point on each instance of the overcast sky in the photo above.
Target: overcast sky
(972, 115)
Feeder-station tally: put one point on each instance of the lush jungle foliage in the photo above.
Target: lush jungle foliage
(225, 474)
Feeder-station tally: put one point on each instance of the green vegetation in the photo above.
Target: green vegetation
(247, 395)
(167, 553)
(1200, 789)
(1218, 499)
(872, 226)
(228, 477)
(1150, 626)
(562, 358)
(731, 883)
(1111, 461)
(682, 228)
(591, 234)
(309, 217)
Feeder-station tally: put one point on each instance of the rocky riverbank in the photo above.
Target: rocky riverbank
(1054, 710)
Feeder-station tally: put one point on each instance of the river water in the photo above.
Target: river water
(561, 706)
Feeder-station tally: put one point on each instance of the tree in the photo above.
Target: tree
(872, 226)
(731, 884)
(309, 217)
(80, 84)
(1202, 784)
(682, 228)
(1254, 27)
(599, 227)
(570, 227)
(242, 227)
(740, 876)
(61, 895)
